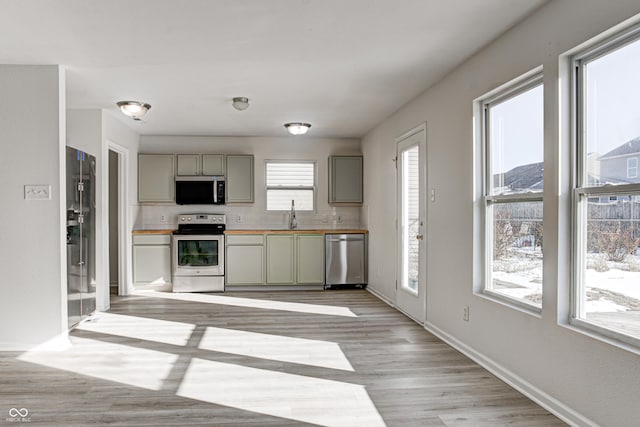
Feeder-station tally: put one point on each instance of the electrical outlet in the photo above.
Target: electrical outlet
(339, 219)
(324, 219)
(163, 219)
(238, 218)
(465, 314)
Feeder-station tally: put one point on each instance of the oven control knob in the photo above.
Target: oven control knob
(181, 218)
(188, 218)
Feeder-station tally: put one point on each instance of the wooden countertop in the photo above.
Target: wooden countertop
(152, 231)
(298, 231)
(279, 231)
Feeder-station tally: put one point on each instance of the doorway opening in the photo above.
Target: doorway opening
(119, 226)
(114, 267)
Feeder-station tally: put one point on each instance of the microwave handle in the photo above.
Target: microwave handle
(215, 190)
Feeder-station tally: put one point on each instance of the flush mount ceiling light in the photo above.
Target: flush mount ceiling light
(133, 109)
(297, 128)
(240, 103)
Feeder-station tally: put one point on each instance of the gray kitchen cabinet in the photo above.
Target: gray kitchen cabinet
(310, 258)
(200, 164)
(151, 259)
(188, 164)
(345, 179)
(281, 259)
(212, 164)
(245, 259)
(240, 179)
(156, 178)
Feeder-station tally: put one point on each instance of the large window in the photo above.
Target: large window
(512, 127)
(606, 284)
(288, 181)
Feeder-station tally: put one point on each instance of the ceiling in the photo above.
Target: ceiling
(341, 65)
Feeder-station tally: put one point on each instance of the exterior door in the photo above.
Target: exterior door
(411, 219)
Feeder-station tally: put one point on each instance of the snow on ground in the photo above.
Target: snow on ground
(603, 306)
(615, 290)
(622, 282)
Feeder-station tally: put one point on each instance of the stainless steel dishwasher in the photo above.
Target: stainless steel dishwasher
(346, 260)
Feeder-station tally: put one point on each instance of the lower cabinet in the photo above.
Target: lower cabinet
(151, 259)
(310, 259)
(275, 259)
(245, 259)
(280, 259)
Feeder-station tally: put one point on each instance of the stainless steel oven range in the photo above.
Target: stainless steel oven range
(198, 253)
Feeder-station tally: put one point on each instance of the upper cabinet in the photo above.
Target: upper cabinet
(157, 173)
(197, 164)
(212, 164)
(188, 164)
(240, 178)
(345, 179)
(156, 178)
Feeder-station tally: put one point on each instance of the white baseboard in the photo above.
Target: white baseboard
(381, 297)
(543, 399)
(393, 305)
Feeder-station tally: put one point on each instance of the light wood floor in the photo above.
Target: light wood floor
(257, 359)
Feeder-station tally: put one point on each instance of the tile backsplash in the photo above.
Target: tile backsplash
(151, 217)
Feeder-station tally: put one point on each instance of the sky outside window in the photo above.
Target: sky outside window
(613, 99)
(517, 131)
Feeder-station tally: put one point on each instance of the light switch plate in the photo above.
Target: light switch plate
(37, 192)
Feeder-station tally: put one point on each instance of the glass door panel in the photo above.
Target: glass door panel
(410, 219)
(411, 182)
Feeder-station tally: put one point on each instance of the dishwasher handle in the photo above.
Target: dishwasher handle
(344, 237)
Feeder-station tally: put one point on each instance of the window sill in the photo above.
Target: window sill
(511, 303)
(603, 335)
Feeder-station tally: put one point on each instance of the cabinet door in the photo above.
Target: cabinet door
(188, 164)
(280, 259)
(239, 186)
(212, 164)
(156, 178)
(152, 264)
(345, 179)
(245, 265)
(310, 259)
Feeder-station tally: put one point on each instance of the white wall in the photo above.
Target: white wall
(578, 376)
(32, 134)
(92, 131)
(263, 148)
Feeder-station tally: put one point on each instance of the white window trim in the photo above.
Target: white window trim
(580, 189)
(314, 187)
(514, 88)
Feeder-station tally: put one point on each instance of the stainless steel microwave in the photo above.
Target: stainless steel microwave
(200, 190)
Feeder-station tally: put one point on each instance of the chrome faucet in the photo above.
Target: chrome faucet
(293, 222)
